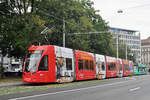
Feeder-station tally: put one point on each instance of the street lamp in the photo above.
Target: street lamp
(116, 30)
(126, 51)
(120, 11)
(64, 32)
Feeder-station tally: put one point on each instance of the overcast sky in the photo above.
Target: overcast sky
(135, 16)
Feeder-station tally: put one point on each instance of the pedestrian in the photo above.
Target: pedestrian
(149, 70)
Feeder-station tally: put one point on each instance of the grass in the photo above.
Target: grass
(11, 79)
(35, 87)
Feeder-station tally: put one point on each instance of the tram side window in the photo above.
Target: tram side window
(126, 67)
(91, 65)
(140, 69)
(80, 64)
(109, 66)
(86, 65)
(114, 66)
(103, 66)
(120, 66)
(44, 64)
(68, 63)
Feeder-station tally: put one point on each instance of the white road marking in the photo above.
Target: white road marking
(129, 78)
(134, 89)
(98, 86)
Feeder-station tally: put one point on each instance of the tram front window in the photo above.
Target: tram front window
(32, 60)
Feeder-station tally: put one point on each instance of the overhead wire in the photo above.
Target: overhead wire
(138, 6)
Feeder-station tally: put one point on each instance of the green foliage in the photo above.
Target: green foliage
(19, 33)
(21, 29)
(122, 52)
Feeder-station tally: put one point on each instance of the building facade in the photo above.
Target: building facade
(146, 52)
(132, 40)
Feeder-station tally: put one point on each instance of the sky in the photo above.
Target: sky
(135, 15)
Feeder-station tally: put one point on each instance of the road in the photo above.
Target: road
(127, 88)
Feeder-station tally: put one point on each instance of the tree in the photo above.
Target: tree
(20, 28)
(23, 32)
(23, 26)
(80, 17)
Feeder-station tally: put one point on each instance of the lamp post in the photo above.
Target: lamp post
(117, 39)
(64, 32)
(126, 51)
(119, 11)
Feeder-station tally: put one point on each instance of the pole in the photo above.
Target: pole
(140, 47)
(63, 32)
(119, 11)
(117, 43)
(126, 52)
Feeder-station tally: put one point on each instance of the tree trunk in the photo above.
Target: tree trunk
(32, 6)
(24, 6)
(1, 67)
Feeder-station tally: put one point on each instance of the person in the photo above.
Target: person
(59, 65)
(149, 70)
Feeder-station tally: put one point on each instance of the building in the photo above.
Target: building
(132, 40)
(146, 51)
(11, 64)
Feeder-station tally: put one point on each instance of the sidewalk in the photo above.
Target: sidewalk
(10, 81)
(7, 84)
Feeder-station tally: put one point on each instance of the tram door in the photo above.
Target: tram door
(100, 66)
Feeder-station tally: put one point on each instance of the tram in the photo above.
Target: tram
(111, 69)
(140, 69)
(50, 63)
(119, 68)
(126, 71)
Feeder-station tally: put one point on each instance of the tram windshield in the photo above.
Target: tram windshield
(32, 60)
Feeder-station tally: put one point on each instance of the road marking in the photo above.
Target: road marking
(134, 89)
(98, 86)
(129, 78)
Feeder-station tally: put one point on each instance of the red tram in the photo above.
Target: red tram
(111, 69)
(126, 71)
(84, 66)
(56, 64)
(39, 65)
(51, 63)
(119, 68)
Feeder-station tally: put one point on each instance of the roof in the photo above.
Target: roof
(141, 65)
(146, 41)
(121, 29)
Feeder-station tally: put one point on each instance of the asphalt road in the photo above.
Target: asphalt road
(128, 88)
